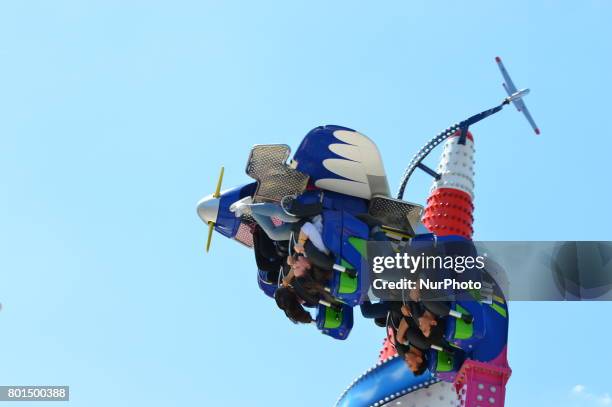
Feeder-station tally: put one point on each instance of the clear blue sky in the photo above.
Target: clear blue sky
(115, 117)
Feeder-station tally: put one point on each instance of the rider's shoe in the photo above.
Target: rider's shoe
(241, 207)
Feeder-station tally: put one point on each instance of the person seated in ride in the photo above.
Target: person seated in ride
(424, 336)
(289, 302)
(409, 343)
(302, 220)
(415, 359)
(263, 213)
(309, 282)
(430, 313)
(311, 231)
(409, 320)
(425, 320)
(309, 243)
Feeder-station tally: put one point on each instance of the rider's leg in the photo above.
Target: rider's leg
(272, 210)
(263, 216)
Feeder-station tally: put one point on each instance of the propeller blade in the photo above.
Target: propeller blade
(211, 227)
(217, 193)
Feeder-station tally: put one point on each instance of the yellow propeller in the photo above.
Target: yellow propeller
(211, 224)
(211, 227)
(217, 193)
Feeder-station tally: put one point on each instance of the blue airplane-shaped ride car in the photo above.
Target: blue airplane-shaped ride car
(342, 170)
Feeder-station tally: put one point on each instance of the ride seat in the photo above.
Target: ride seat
(265, 284)
(336, 323)
(346, 237)
(461, 334)
(445, 365)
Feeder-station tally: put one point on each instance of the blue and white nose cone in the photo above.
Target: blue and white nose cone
(208, 208)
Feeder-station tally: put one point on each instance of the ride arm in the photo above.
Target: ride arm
(462, 127)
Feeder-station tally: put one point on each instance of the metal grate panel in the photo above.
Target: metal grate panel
(245, 234)
(275, 179)
(395, 213)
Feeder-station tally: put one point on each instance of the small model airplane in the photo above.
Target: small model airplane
(515, 95)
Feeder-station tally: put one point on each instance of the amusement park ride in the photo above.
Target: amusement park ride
(341, 172)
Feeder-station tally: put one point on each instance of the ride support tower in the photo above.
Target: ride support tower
(450, 208)
(449, 212)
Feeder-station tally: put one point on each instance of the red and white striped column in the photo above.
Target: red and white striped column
(449, 210)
